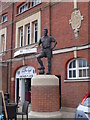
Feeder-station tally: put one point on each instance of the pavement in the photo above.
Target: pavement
(65, 113)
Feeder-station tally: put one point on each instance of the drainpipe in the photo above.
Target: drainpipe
(6, 95)
(11, 48)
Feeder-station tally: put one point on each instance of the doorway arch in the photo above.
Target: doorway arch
(23, 83)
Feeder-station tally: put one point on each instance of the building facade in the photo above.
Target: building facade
(21, 27)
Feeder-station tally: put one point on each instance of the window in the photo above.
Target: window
(3, 43)
(21, 36)
(34, 2)
(23, 8)
(24, 38)
(78, 68)
(28, 30)
(4, 18)
(3, 34)
(27, 34)
(35, 31)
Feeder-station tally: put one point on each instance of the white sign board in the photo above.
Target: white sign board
(25, 51)
(25, 72)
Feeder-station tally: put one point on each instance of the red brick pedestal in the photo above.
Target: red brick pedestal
(45, 93)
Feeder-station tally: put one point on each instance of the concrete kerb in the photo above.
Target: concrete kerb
(44, 114)
(65, 112)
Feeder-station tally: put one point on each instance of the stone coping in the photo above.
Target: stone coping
(45, 80)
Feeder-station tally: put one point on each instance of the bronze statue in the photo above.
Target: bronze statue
(46, 51)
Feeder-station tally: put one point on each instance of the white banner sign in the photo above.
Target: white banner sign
(25, 72)
(25, 51)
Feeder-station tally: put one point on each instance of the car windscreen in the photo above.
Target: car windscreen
(87, 102)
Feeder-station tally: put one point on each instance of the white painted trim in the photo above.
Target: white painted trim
(25, 51)
(3, 32)
(34, 1)
(77, 68)
(21, 32)
(5, 15)
(23, 35)
(15, 90)
(22, 7)
(27, 34)
(5, 38)
(36, 22)
(60, 51)
(3, 42)
(77, 80)
(30, 32)
(64, 50)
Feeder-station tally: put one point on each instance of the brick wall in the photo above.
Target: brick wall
(44, 98)
(3, 78)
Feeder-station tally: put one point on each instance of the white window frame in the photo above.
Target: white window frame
(35, 3)
(5, 16)
(3, 43)
(77, 69)
(23, 7)
(21, 37)
(35, 30)
(28, 33)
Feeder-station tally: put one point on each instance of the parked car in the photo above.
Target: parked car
(83, 109)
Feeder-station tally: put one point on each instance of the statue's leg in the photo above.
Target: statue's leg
(40, 61)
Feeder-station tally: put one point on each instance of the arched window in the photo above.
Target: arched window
(78, 68)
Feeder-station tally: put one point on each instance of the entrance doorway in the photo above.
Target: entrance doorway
(23, 86)
(17, 91)
(23, 83)
(28, 89)
(20, 90)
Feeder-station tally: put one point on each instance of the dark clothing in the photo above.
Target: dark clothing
(46, 42)
(46, 52)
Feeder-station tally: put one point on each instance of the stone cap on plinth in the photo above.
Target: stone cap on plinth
(45, 80)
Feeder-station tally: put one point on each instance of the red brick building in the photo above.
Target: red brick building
(21, 27)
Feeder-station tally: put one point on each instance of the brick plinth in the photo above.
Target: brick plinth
(45, 94)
